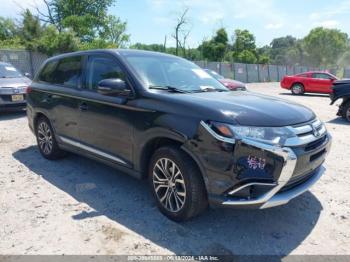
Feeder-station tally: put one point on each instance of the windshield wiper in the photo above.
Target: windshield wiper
(169, 88)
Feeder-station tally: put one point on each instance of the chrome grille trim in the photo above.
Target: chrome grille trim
(305, 133)
(302, 129)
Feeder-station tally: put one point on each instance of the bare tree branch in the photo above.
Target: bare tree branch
(182, 21)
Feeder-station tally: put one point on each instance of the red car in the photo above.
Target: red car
(309, 82)
(229, 83)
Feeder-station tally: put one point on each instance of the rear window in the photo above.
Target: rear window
(9, 71)
(303, 75)
(65, 72)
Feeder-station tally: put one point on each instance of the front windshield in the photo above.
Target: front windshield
(167, 71)
(8, 71)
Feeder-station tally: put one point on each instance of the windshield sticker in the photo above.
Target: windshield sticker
(10, 68)
(201, 73)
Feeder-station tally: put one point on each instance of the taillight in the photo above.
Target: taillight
(28, 89)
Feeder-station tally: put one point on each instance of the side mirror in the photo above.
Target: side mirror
(27, 75)
(112, 87)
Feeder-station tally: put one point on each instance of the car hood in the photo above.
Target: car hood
(14, 82)
(241, 107)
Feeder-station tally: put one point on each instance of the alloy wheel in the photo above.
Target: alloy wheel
(45, 138)
(169, 184)
(297, 89)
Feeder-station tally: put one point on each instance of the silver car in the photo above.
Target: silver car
(13, 87)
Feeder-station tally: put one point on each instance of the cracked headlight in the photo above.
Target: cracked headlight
(270, 135)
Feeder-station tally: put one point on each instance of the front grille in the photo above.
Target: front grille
(315, 144)
(307, 134)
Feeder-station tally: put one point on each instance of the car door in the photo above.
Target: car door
(59, 82)
(105, 122)
(321, 83)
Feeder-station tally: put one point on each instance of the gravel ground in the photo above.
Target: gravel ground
(78, 206)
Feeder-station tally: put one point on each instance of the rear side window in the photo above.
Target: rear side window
(65, 72)
(47, 73)
(99, 68)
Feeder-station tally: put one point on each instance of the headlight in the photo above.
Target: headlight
(271, 135)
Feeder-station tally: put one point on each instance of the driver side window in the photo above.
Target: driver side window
(99, 68)
(321, 76)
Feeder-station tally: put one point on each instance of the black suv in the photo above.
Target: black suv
(161, 117)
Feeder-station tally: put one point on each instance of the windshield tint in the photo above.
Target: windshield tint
(158, 70)
(8, 71)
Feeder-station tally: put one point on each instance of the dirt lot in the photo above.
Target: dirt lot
(77, 206)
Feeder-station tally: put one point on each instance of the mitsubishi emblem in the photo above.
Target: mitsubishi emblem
(315, 132)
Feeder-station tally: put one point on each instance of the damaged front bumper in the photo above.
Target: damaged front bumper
(296, 167)
(274, 197)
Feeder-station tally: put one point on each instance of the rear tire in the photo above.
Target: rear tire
(177, 184)
(46, 140)
(297, 89)
(346, 111)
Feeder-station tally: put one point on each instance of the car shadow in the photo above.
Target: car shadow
(126, 200)
(10, 115)
(306, 95)
(338, 121)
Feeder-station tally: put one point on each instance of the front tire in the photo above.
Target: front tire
(46, 140)
(297, 89)
(177, 184)
(346, 111)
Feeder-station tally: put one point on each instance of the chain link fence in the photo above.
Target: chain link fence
(30, 62)
(254, 73)
(24, 61)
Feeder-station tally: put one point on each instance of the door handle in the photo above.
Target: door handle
(83, 107)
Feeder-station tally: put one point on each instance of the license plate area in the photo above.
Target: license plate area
(16, 98)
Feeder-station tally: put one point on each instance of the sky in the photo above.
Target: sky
(149, 21)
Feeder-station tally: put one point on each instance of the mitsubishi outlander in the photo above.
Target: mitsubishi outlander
(163, 118)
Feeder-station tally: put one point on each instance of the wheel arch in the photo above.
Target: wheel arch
(155, 143)
(297, 83)
(346, 100)
(37, 116)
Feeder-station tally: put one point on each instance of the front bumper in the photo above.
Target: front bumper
(6, 102)
(274, 197)
(300, 167)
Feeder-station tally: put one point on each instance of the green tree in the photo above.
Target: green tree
(246, 56)
(85, 17)
(12, 43)
(54, 42)
(279, 48)
(151, 47)
(215, 49)
(113, 31)
(263, 54)
(324, 46)
(30, 30)
(244, 47)
(8, 28)
(243, 40)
